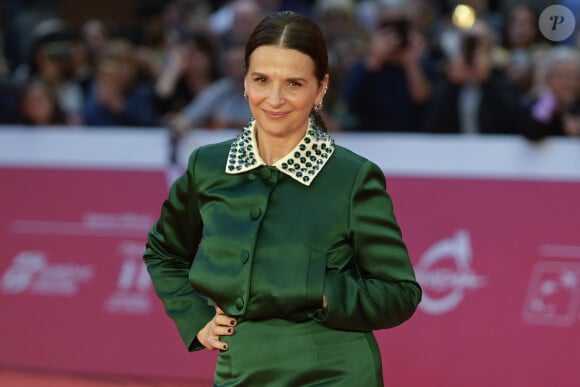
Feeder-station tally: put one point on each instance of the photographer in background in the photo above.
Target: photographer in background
(389, 88)
(476, 96)
(554, 107)
(119, 95)
(50, 60)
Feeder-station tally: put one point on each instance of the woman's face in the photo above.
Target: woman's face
(522, 30)
(282, 89)
(37, 106)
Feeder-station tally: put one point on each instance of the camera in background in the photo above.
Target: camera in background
(399, 26)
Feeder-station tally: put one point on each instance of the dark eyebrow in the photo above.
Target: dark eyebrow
(299, 80)
(258, 74)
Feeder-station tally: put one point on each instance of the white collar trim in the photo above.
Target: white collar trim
(302, 164)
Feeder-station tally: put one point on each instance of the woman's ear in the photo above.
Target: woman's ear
(325, 82)
(323, 87)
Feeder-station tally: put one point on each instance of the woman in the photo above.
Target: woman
(552, 109)
(280, 248)
(523, 41)
(38, 105)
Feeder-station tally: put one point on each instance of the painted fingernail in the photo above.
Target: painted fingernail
(225, 346)
(232, 322)
(229, 330)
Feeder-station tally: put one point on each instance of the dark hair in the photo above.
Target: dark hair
(292, 30)
(58, 116)
(204, 41)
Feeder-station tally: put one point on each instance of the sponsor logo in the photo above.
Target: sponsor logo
(32, 272)
(445, 274)
(553, 295)
(132, 294)
(116, 225)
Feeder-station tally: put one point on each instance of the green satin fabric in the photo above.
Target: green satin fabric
(266, 248)
(277, 352)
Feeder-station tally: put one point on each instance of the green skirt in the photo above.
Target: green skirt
(280, 353)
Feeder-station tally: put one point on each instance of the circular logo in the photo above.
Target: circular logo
(557, 23)
(445, 274)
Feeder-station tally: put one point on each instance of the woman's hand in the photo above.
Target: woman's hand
(220, 325)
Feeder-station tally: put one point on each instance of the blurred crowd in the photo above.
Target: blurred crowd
(471, 66)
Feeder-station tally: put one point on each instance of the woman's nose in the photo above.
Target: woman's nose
(275, 97)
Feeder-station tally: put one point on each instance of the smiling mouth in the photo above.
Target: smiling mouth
(275, 114)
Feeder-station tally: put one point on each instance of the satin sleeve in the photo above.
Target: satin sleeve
(171, 245)
(384, 293)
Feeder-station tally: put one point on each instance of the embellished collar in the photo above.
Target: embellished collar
(302, 164)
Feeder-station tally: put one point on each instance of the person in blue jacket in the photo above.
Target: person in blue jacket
(118, 96)
(390, 87)
(280, 248)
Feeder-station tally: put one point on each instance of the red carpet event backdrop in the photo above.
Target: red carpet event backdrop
(491, 223)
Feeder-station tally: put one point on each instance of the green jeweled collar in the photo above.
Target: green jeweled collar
(302, 164)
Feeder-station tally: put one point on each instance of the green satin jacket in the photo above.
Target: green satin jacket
(269, 241)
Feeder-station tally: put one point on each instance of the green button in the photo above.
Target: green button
(255, 213)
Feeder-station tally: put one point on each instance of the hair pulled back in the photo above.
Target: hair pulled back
(294, 31)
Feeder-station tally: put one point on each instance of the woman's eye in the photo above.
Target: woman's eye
(295, 84)
(260, 80)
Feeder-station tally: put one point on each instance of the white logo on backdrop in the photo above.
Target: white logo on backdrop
(553, 296)
(132, 295)
(32, 272)
(445, 274)
(116, 225)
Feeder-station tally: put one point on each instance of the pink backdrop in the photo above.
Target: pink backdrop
(499, 261)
